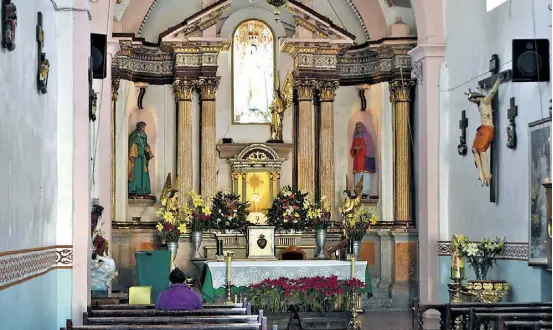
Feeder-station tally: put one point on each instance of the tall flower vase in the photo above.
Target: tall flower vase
(197, 241)
(481, 271)
(356, 249)
(173, 247)
(320, 237)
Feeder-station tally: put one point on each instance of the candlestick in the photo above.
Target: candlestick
(219, 247)
(229, 255)
(350, 246)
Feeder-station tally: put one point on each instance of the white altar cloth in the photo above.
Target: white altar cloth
(245, 273)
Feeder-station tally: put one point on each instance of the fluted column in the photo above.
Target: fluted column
(208, 156)
(306, 147)
(400, 96)
(326, 141)
(183, 90)
(114, 97)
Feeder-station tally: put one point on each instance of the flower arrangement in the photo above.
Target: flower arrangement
(319, 214)
(289, 210)
(359, 224)
(228, 212)
(307, 294)
(172, 225)
(481, 256)
(197, 215)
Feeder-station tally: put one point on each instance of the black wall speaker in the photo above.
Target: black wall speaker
(98, 45)
(531, 60)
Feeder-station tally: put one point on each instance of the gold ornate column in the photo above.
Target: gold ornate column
(326, 141)
(208, 158)
(306, 148)
(401, 93)
(183, 90)
(114, 96)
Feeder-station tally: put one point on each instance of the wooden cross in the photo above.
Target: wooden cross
(463, 124)
(511, 130)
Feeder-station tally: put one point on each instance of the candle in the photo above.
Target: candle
(350, 246)
(219, 247)
(229, 270)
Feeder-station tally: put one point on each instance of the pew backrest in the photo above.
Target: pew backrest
(151, 306)
(157, 312)
(171, 320)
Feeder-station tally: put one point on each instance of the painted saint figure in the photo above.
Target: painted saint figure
(364, 156)
(139, 156)
(485, 133)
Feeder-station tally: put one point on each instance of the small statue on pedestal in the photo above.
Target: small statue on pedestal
(102, 268)
(282, 100)
(140, 154)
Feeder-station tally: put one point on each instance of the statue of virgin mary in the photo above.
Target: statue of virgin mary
(364, 156)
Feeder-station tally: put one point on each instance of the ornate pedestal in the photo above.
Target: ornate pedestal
(139, 205)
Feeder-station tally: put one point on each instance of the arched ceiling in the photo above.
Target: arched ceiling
(366, 19)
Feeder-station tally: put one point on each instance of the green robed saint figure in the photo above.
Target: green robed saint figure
(139, 156)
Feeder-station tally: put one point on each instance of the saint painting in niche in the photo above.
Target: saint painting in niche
(253, 72)
(139, 157)
(364, 156)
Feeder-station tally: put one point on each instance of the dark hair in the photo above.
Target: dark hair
(347, 192)
(177, 276)
(140, 124)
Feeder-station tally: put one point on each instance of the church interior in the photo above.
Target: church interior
(307, 164)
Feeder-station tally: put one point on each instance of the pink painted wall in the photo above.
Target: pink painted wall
(373, 17)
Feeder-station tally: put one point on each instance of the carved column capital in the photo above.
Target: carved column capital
(209, 87)
(183, 89)
(401, 90)
(328, 89)
(305, 89)
(114, 88)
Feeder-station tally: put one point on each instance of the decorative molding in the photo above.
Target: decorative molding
(513, 250)
(146, 17)
(358, 15)
(416, 71)
(22, 265)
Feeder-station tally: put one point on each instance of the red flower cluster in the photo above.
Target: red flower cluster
(307, 294)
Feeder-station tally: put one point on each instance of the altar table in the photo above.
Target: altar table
(247, 272)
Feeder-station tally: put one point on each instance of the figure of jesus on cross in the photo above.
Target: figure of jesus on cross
(484, 133)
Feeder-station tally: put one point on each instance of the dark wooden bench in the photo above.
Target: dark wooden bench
(151, 306)
(451, 312)
(171, 319)
(478, 316)
(512, 325)
(156, 312)
(256, 326)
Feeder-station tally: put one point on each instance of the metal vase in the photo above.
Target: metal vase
(320, 238)
(356, 249)
(173, 247)
(197, 241)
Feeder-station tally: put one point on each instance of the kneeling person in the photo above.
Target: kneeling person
(178, 296)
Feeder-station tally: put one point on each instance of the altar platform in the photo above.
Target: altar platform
(248, 272)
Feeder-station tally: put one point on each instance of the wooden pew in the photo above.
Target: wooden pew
(156, 312)
(450, 312)
(512, 325)
(191, 322)
(151, 306)
(478, 316)
(171, 320)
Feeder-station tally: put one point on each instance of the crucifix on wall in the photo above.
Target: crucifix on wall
(485, 137)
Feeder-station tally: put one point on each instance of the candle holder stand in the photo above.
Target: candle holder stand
(354, 323)
(229, 255)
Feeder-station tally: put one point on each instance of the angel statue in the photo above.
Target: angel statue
(350, 202)
(169, 196)
(282, 100)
